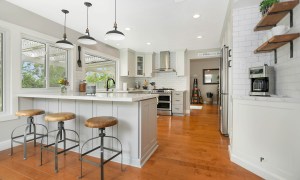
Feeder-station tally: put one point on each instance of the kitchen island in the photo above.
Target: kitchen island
(136, 114)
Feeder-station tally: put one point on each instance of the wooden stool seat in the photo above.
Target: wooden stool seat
(57, 117)
(101, 122)
(30, 112)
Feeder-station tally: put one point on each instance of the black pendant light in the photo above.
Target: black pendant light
(115, 34)
(64, 43)
(87, 39)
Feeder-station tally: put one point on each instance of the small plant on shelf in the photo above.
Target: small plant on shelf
(63, 84)
(266, 4)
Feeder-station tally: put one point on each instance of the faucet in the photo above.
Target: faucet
(107, 88)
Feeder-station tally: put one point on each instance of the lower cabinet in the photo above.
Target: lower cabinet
(266, 138)
(178, 102)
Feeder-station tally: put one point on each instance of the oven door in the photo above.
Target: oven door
(165, 106)
(164, 98)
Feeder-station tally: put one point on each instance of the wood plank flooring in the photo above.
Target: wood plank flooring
(190, 148)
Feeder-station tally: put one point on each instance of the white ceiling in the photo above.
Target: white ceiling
(166, 24)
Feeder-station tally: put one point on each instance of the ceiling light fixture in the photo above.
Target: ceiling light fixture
(196, 16)
(87, 39)
(148, 43)
(115, 35)
(199, 37)
(127, 29)
(64, 43)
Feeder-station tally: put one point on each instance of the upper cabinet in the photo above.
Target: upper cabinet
(135, 64)
(140, 65)
(149, 57)
(127, 62)
(181, 62)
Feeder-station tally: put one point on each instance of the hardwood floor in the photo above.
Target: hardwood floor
(190, 147)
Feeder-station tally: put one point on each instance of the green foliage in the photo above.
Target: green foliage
(266, 4)
(100, 79)
(56, 73)
(33, 75)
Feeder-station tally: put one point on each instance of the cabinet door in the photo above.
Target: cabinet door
(131, 64)
(148, 64)
(180, 62)
(140, 65)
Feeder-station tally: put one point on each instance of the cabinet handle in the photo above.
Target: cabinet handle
(261, 159)
(177, 100)
(128, 73)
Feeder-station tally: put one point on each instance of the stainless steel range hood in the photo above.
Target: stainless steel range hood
(164, 62)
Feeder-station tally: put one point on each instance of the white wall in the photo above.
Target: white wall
(17, 22)
(197, 67)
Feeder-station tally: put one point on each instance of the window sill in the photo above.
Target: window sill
(5, 117)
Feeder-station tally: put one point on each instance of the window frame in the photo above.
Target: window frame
(7, 95)
(47, 64)
(102, 55)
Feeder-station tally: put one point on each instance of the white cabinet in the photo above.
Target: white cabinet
(178, 102)
(265, 138)
(144, 64)
(149, 57)
(181, 62)
(127, 62)
(140, 65)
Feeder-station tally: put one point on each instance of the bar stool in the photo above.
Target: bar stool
(101, 123)
(30, 113)
(60, 136)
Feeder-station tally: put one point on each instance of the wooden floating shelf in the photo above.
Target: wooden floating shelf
(275, 14)
(276, 42)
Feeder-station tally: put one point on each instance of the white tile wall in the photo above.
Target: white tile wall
(245, 41)
(166, 80)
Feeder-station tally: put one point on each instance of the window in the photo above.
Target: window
(41, 60)
(1, 72)
(101, 69)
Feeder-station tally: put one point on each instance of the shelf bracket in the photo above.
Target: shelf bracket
(291, 18)
(291, 49)
(275, 56)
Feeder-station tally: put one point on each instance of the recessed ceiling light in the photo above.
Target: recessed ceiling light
(196, 16)
(199, 37)
(148, 43)
(118, 44)
(127, 29)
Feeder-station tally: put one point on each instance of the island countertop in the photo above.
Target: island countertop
(115, 97)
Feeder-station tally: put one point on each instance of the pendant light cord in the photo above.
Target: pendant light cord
(115, 25)
(87, 21)
(65, 28)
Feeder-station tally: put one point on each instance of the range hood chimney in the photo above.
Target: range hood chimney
(164, 62)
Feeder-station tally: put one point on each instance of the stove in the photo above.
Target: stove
(162, 91)
(164, 105)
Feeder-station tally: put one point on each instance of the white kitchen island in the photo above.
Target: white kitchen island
(136, 113)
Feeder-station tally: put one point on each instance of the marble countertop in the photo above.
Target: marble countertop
(115, 96)
(273, 98)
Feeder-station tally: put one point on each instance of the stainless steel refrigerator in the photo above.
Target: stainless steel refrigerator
(223, 91)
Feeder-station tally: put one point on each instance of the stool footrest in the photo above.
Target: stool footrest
(99, 164)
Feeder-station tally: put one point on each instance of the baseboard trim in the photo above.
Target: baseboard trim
(252, 167)
(5, 145)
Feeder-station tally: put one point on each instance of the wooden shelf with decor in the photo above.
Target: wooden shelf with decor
(275, 14)
(276, 42)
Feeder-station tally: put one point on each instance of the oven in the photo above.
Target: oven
(164, 106)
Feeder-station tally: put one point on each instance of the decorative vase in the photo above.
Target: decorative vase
(63, 88)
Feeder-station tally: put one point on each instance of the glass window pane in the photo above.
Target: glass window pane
(100, 68)
(33, 64)
(57, 65)
(1, 72)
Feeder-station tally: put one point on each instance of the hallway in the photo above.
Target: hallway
(190, 148)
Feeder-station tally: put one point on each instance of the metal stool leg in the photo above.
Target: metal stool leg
(102, 154)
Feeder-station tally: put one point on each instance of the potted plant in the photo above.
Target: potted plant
(266, 4)
(63, 84)
(91, 80)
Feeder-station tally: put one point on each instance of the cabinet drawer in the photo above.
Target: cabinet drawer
(177, 109)
(178, 94)
(177, 101)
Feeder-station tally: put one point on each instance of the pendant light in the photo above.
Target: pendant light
(64, 43)
(115, 34)
(87, 39)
